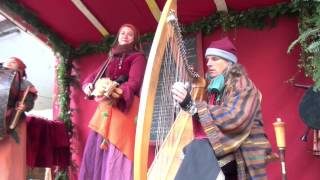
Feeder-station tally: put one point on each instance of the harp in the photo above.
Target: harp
(167, 43)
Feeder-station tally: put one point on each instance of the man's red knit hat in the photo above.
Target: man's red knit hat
(223, 48)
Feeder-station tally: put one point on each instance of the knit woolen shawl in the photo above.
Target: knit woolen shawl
(235, 125)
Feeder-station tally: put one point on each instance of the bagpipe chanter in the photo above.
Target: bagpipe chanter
(160, 121)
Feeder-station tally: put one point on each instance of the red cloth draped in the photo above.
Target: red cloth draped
(47, 143)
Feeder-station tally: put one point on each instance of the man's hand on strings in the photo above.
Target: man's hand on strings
(179, 91)
(181, 94)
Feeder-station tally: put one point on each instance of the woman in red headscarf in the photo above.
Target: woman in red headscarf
(13, 146)
(108, 154)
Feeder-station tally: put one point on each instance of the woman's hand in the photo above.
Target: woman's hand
(104, 87)
(88, 89)
(117, 93)
(109, 89)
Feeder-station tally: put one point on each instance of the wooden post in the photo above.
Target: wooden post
(279, 127)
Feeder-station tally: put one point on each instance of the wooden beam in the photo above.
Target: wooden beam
(94, 21)
(154, 8)
(221, 5)
(8, 14)
(32, 31)
(2, 18)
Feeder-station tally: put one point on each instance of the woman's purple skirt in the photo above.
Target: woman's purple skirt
(99, 164)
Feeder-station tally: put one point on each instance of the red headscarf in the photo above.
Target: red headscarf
(136, 42)
(21, 66)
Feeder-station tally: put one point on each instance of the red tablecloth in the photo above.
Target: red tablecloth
(47, 143)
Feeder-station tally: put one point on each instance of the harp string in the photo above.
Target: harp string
(165, 105)
(175, 67)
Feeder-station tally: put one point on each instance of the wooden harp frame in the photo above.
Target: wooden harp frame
(151, 78)
(149, 88)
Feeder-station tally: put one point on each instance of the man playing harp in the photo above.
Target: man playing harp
(229, 122)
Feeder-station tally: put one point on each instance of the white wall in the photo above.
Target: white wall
(40, 62)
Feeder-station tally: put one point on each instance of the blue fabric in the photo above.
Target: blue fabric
(199, 162)
(216, 84)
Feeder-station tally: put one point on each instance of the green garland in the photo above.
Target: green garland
(252, 18)
(64, 82)
(309, 29)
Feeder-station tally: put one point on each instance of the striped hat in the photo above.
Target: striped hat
(223, 48)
